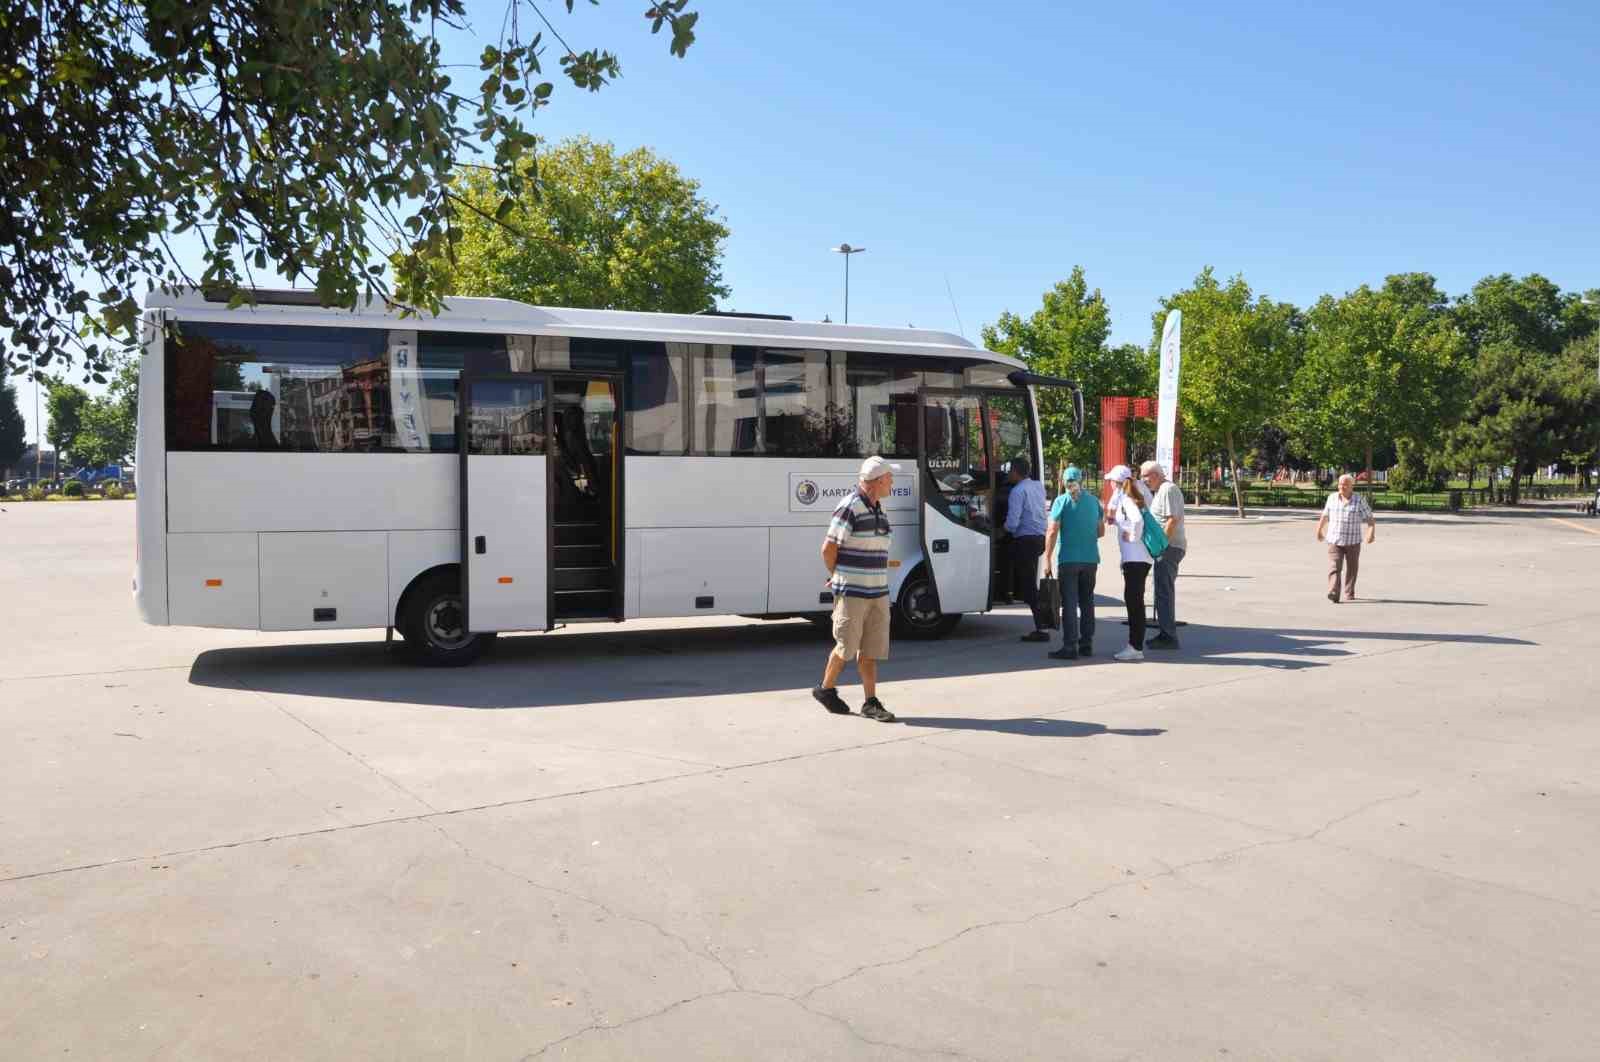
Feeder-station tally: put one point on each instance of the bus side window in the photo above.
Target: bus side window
(655, 398)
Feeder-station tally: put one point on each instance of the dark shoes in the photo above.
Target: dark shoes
(1161, 641)
(829, 698)
(1333, 595)
(874, 709)
(1064, 654)
(1085, 648)
(1036, 636)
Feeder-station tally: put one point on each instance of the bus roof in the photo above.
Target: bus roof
(496, 315)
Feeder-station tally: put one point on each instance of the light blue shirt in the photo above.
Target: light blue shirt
(1025, 509)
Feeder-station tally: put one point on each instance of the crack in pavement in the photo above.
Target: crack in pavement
(1171, 871)
(93, 674)
(246, 687)
(835, 1019)
(678, 939)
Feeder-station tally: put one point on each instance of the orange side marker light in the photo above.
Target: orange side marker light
(213, 582)
(505, 579)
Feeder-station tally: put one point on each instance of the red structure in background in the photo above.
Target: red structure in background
(1115, 412)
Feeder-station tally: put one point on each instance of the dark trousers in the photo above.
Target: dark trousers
(1077, 605)
(1025, 551)
(1166, 580)
(1133, 577)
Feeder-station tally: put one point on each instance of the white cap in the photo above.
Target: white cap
(875, 467)
(1120, 474)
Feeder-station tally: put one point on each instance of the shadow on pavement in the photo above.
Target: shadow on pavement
(1292, 649)
(1028, 727)
(1408, 601)
(602, 664)
(610, 664)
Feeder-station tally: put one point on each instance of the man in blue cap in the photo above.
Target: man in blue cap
(1072, 546)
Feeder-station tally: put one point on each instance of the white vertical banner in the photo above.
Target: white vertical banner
(405, 393)
(1167, 393)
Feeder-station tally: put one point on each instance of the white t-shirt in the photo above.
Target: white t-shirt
(1129, 518)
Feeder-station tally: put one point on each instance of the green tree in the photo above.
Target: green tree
(13, 432)
(1067, 337)
(1531, 313)
(109, 423)
(1379, 366)
(1239, 352)
(64, 404)
(602, 231)
(316, 137)
(1579, 379)
(1530, 408)
(1523, 327)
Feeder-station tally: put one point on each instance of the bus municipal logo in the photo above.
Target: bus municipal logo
(806, 492)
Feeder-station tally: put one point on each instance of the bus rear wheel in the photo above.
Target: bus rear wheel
(917, 613)
(433, 621)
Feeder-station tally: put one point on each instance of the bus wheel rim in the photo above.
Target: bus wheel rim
(922, 608)
(445, 623)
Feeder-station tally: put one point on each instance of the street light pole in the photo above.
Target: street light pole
(846, 250)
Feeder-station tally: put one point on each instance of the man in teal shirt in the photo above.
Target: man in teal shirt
(1076, 522)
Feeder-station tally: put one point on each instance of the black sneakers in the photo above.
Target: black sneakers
(829, 698)
(1063, 654)
(1036, 636)
(1161, 641)
(874, 709)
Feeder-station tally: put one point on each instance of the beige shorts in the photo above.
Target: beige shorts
(861, 625)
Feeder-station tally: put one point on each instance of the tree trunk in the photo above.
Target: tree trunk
(1516, 480)
(1370, 483)
(1472, 474)
(1233, 470)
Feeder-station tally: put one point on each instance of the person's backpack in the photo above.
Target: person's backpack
(1154, 538)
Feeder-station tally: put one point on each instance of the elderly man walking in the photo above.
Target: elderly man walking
(855, 551)
(1341, 522)
(1166, 505)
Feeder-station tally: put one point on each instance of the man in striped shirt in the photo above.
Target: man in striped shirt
(855, 551)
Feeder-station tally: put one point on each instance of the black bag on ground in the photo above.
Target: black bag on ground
(1050, 602)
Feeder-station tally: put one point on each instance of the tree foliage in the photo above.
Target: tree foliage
(1239, 352)
(1067, 336)
(13, 432)
(1523, 409)
(314, 137)
(1530, 313)
(1531, 352)
(64, 404)
(1379, 366)
(603, 231)
(109, 422)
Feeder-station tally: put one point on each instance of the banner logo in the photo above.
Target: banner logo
(805, 492)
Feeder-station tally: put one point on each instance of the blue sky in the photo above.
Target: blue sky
(1310, 147)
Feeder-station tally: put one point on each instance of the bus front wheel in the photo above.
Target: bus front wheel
(917, 613)
(433, 621)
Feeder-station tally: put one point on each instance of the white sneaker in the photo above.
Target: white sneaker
(1129, 654)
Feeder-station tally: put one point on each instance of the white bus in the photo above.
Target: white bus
(504, 467)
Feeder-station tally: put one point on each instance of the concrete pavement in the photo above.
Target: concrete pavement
(1318, 832)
